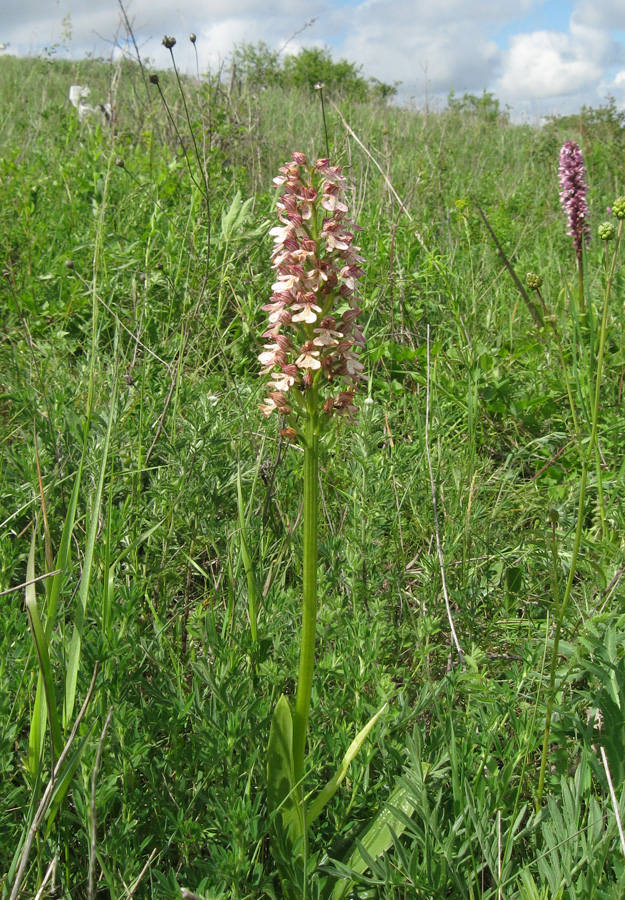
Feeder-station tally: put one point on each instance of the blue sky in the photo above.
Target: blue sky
(552, 15)
(538, 57)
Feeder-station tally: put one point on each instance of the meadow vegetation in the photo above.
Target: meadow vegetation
(138, 476)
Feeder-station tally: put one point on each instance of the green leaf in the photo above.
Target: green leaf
(234, 220)
(378, 837)
(64, 781)
(62, 558)
(73, 660)
(285, 810)
(247, 563)
(54, 584)
(332, 786)
(41, 646)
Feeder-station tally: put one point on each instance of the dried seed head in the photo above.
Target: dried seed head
(153, 78)
(169, 42)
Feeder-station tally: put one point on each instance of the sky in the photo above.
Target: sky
(538, 57)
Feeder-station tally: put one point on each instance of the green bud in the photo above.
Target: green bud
(534, 282)
(606, 231)
(554, 515)
(168, 42)
(153, 78)
(618, 208)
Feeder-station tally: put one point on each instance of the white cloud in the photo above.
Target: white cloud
(447, 42)
(614, 88)
(607, 14)
(547, 64)
(444, 42)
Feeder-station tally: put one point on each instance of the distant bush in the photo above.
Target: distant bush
(487, 106)
(257, 66)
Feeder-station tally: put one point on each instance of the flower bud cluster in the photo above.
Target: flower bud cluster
(573, 191)
(618, 208)
(606, 231)
(313, 335)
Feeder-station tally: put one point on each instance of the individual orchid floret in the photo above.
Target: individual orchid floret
(313, 336)
(573, 191)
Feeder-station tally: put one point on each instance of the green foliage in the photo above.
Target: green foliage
(486, 107)
(126, 276)
(260, 67)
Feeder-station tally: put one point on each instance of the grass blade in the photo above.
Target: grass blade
(73, 660)
(377, 838)
(42, 648)
(326, 794)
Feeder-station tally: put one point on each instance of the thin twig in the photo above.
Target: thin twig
(438, 539)
(551, 461)
(45, 801)
(161, 421)
(372, 158)
(28, 583)
(47, 877)
(119, 321)
(130, 891)
(604, 760)
(94, 778)
(130, 33)
(533, 311)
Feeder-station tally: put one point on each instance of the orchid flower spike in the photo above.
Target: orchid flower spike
(313, 336)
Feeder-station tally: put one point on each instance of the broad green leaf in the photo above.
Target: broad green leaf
(235, 218)
(54, 584)
(377, 838)
(281, 798)
(73, 660)
(332, 786)
(64, 781)
(45, 669)
(63, 554)
(37, 733)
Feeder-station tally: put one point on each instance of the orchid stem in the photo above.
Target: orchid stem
(309, 598)
(586, 459)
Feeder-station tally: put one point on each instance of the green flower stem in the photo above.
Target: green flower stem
(309, 598)
(580, 282)
(554, 328)
(590, 450)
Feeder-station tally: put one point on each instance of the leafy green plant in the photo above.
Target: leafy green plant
(317, 265)
(587, 452)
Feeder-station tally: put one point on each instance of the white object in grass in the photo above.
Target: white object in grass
(78, 95)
